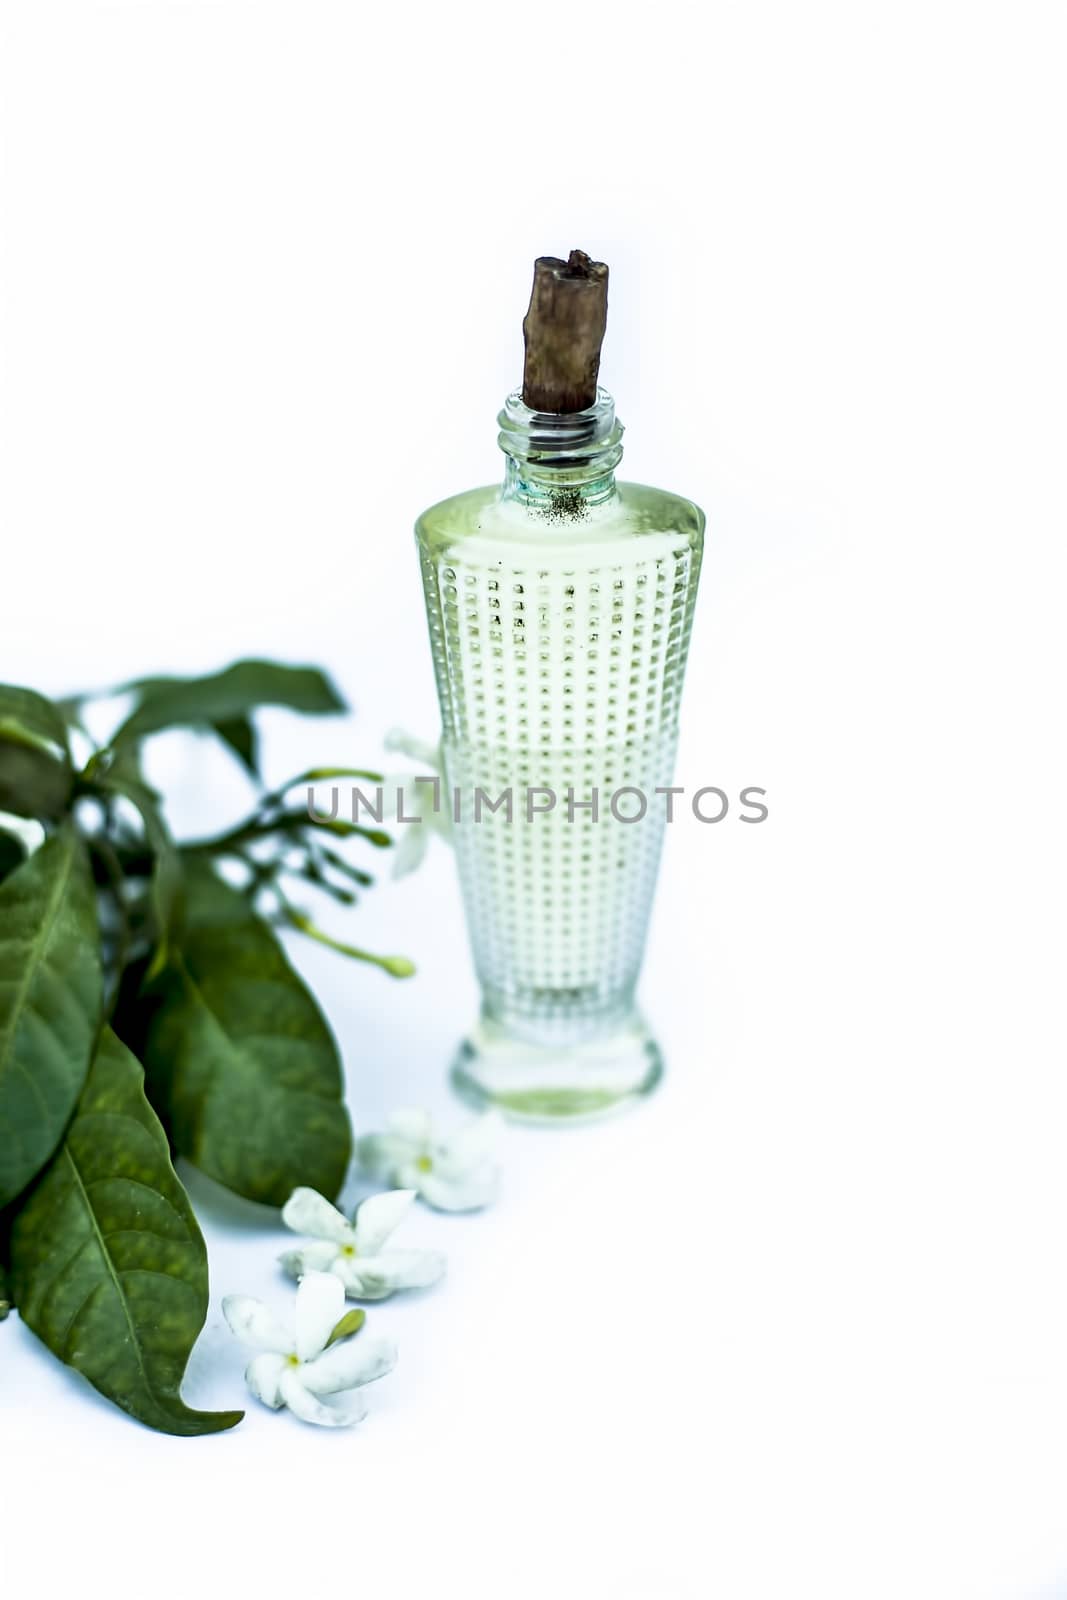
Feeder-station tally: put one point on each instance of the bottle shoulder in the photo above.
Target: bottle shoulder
(636, 512)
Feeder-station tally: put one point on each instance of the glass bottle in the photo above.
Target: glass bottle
(560, 608)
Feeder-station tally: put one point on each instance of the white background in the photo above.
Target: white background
(799, 1326)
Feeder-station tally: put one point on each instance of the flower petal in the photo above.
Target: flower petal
(255, 1325)
(408, 744)
(303, 1404)
(375, 1277)
(347, 1270)
(305, 1211)
(377, 1217)
(413, 1123)
(468, 1193)
(262, 1375)
(317, 1255)
(348, 1364)
(320, 1305)
(470, 1145)
(381, 1153)
(412, 845)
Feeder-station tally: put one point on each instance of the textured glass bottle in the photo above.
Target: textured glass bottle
(560, 608)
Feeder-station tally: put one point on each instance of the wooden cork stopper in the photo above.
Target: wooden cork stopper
(563, 330)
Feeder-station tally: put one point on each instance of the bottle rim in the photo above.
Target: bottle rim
(561, 437)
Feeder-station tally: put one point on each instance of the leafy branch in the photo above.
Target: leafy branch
(147, 1006)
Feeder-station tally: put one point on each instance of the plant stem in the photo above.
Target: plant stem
(288, 822)
(100, 846)
(396, 966)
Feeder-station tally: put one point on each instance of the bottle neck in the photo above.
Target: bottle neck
(562, 462)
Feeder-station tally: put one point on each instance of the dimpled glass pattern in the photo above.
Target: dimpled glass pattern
(559, 622)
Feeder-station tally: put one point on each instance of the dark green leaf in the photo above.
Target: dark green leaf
(109, 1265)
(35, 772)
(222, 696)
(50, 996)
(240, 1060)
(27, 715)
(33, 782)
(240, 734)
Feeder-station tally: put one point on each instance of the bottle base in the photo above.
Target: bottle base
(552, 1083)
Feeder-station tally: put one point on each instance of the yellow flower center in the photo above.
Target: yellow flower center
(424, 1164)
(349, 1250)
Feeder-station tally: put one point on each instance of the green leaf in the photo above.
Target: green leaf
(50, 997)
(109, 1265)
(32, 782)
(35, 771)
(239, 733)
(223, 696)
(25, 713)
(240, 1060)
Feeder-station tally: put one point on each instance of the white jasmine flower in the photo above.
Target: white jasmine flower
(453, 1174)
(356, 1252)
(422, 795)
(320, 1357)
